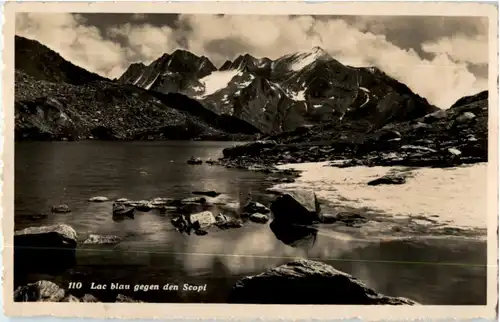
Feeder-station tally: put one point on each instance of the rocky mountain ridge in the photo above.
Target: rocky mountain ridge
(279, 95)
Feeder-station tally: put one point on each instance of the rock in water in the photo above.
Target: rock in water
(102, 240)
(253, 207)
(60, 209)
(122, 210)
(211, 193)
(122, 200)
(205, 219)
(201, 232)
(388, 179)
(297, 207)
(41, 291)
(307, 282)
(98, 199)
(194, 160)
(46, 248)
(259, 218)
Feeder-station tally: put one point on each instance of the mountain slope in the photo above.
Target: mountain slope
(41, 62)
(59, 100)
(294, 90)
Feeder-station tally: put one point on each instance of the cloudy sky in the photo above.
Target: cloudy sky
(440, 58)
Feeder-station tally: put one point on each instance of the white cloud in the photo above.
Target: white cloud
(461, 48)
(145, 42)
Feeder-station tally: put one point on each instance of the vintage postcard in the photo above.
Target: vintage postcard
(250, 160)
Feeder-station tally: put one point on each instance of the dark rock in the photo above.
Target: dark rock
(390, 135)
(308, 282)
(259, 218)
(349, 218)
(41, 291)
(144, 206)
(233, 223)
(60, 209)
(212, 194)
(181, 224)
(45, 249)
(388, 179)
(194, 160)
(102, 240)
(252, 148)
(255, 207)
(296, 236)
(328, 218)
(200, 232)
(121, 210)
(296, 207)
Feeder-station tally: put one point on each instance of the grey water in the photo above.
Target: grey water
(437, 271)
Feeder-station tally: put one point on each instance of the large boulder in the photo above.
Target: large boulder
(41, 291)
(307, 282)
(202, 219)
(46, 248)
(297, 207)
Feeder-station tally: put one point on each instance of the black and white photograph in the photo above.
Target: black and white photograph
(232, 158)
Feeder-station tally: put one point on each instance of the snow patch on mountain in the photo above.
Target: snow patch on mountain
(298, 96)
(246, 83)
(152, 82)
(365, 92)
(218, 80)
(138, 78)
(306, 59)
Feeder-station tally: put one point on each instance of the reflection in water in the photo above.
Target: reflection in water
(153, 252)
(294, 235)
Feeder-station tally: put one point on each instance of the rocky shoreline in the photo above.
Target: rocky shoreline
(445, 138)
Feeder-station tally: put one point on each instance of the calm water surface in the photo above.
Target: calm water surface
(431, 271)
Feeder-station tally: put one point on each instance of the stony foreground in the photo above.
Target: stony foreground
(297, 282)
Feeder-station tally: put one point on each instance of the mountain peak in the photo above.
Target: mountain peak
(318, 49)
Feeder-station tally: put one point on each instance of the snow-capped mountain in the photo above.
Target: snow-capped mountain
(178, 72)
(293, 90)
